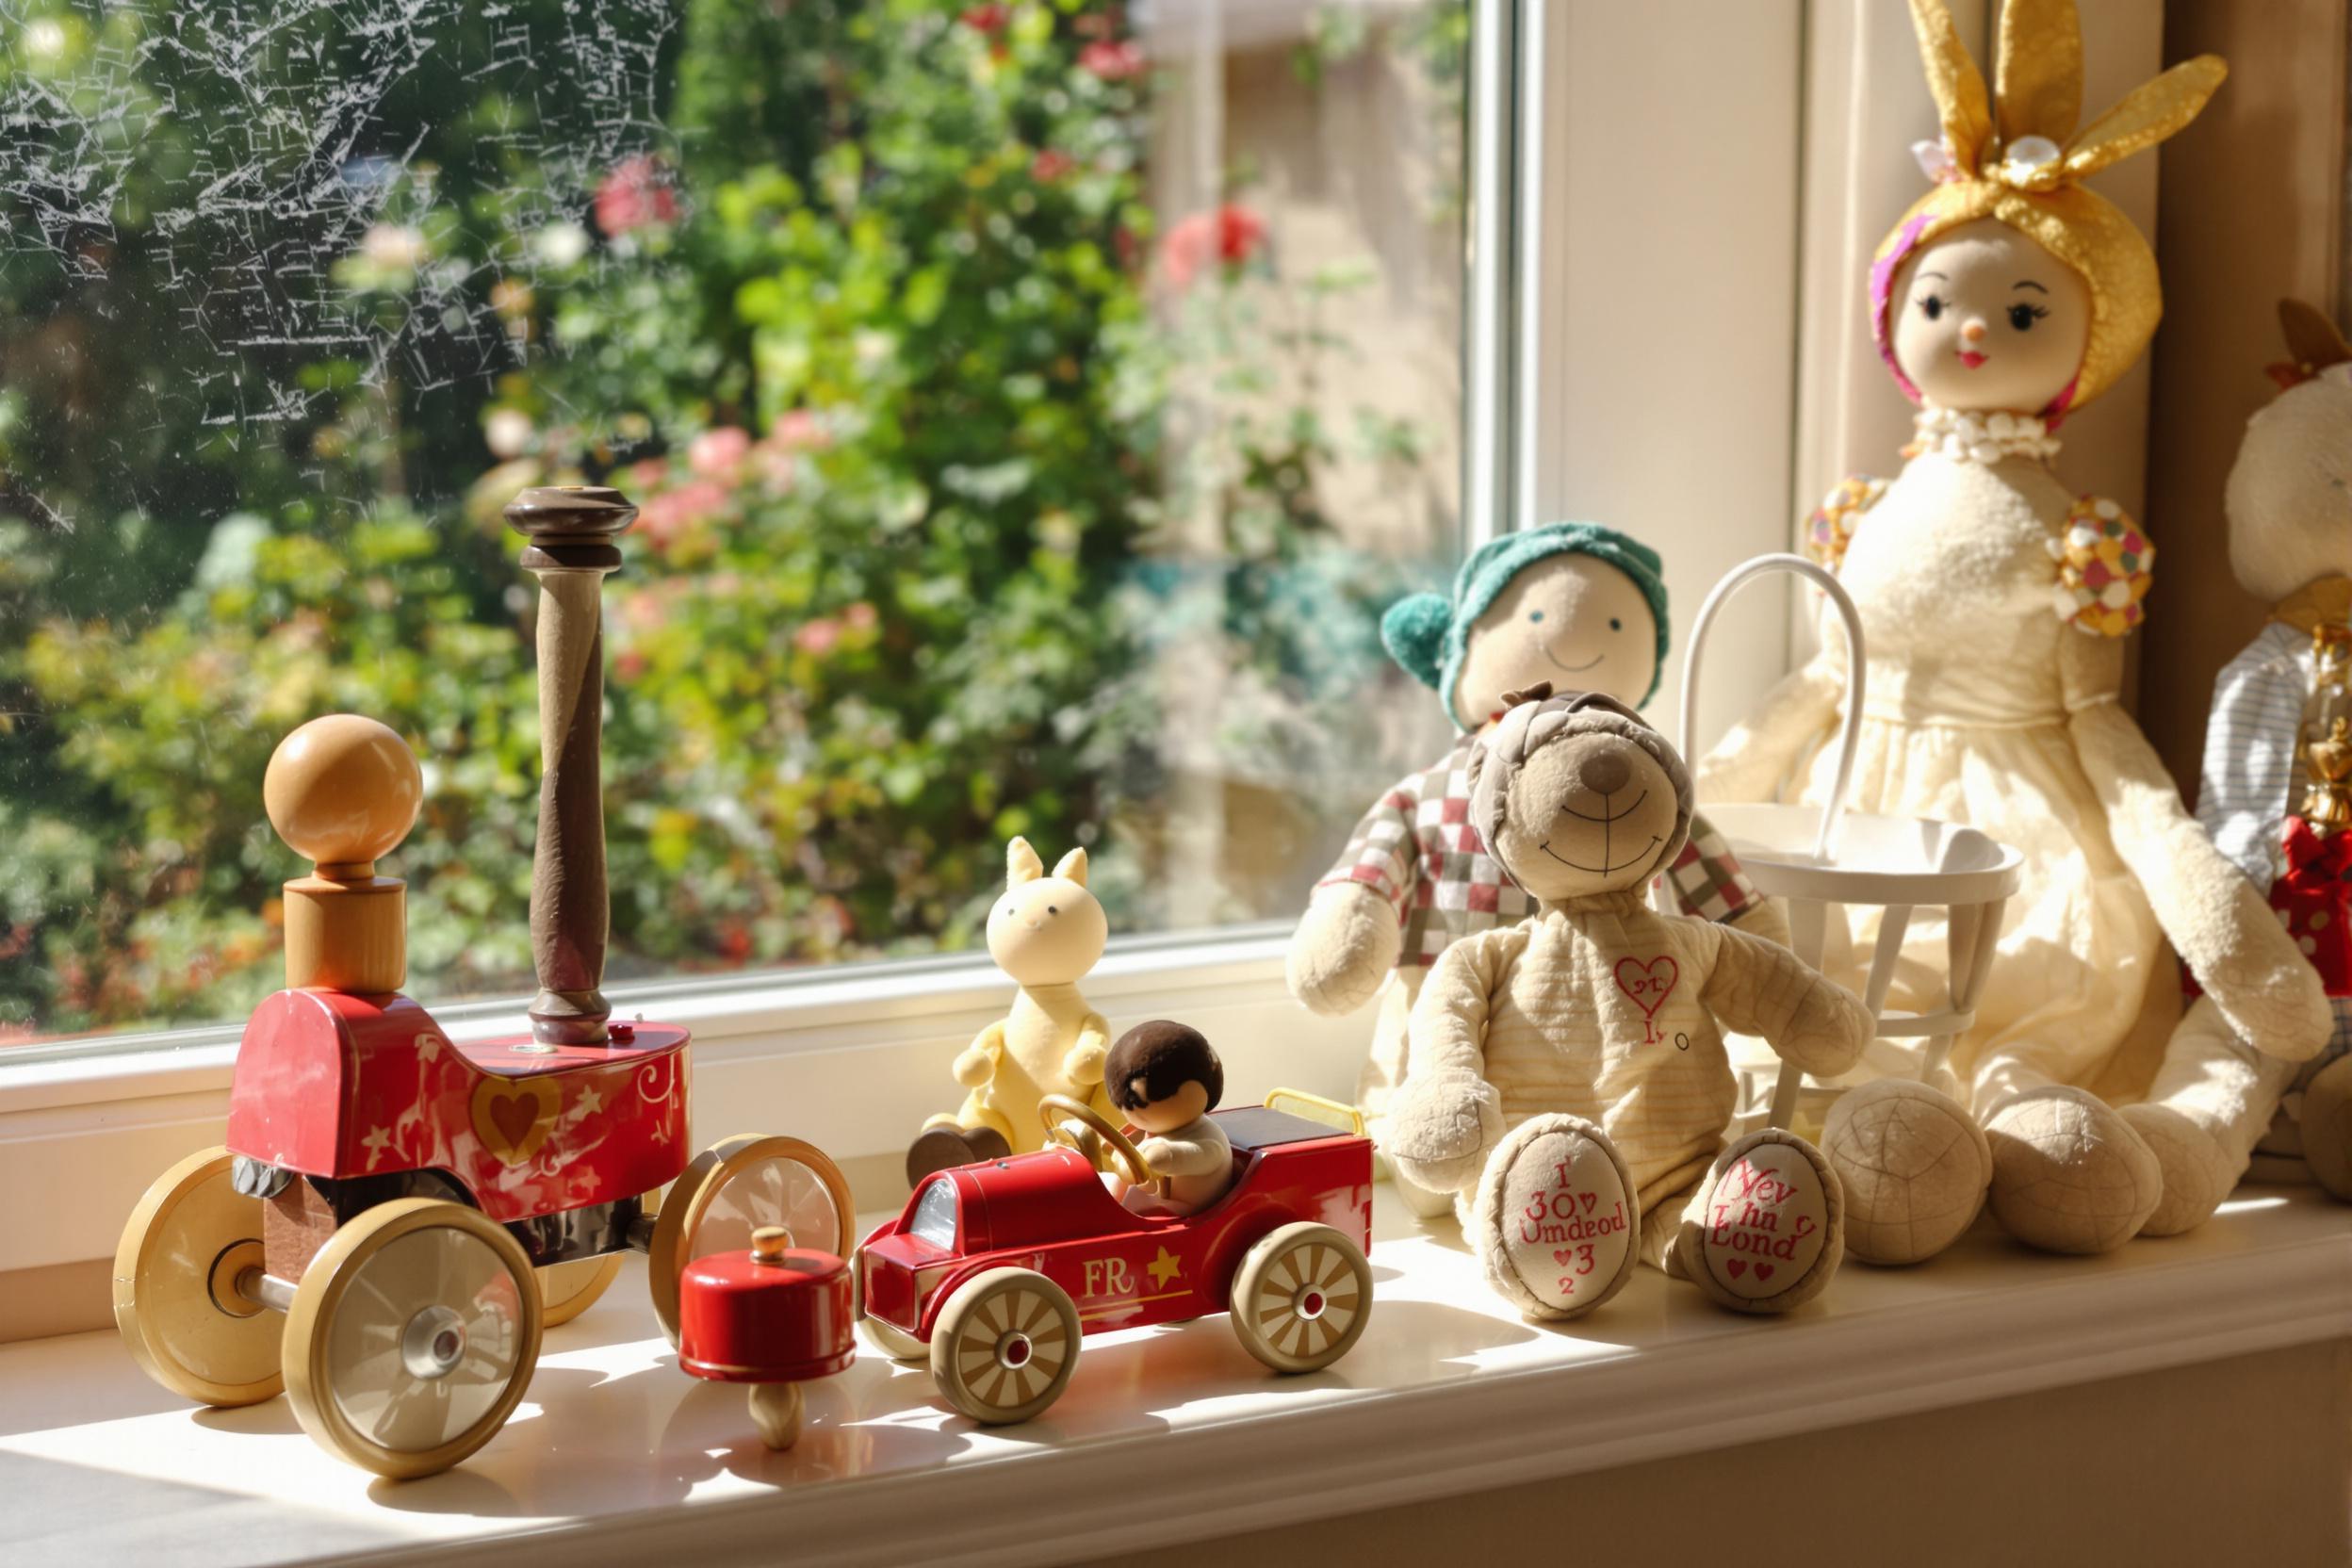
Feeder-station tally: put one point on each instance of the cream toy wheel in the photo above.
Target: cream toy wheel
(737, 1187)
(412, 1337)
(1302, 1298)
(175, 1297)
(568, 1289)
(1005, 1346)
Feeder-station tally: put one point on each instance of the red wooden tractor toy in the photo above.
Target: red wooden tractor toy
(418, 1209)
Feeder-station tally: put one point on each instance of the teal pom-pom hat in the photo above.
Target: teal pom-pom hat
(1428, 633)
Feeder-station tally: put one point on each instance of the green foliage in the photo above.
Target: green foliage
(870, 334)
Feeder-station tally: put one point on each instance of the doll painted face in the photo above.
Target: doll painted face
(1588, 813)
(1986, 319)
(1045, 930)
(1572, 620)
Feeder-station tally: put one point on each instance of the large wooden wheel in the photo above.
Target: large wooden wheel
(1302, 1298)
(568, 1289)
(737, 1187)
(412, 1336)
(175, 1297)
(1005, 1346)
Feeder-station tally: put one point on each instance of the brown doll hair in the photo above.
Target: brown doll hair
(1161, 1057)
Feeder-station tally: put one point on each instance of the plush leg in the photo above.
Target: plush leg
(1764, 1230)
(2070, 1175)
(944, 1146)
(2211, 1101)
(2327, 1127)
(1554, 1218)
(1914, 1165)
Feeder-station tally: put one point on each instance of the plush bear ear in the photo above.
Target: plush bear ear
(1072, 866)
(1021, 863)
(1414, 631)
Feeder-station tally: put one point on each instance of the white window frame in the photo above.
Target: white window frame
(851, 1056)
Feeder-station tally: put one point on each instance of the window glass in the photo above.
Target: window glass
(1031, 407)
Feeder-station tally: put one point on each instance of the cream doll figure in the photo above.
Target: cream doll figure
(1994, 603)
(2267, 799)
(1165, 1079)
(1568, 1085)
(1576, 606)
(1046, 933)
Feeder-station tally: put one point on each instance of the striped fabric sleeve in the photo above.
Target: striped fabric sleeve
(1382, 853)
(2249, 753)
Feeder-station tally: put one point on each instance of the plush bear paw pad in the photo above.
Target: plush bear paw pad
(2069, 1173)
(1557, 1219)
(1767, 1234)
(1915, 1166)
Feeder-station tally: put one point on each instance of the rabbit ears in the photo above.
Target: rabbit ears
(1022, 864)
(2313, 344)
(2040, 97)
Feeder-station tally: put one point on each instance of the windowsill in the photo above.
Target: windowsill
(627, 1461)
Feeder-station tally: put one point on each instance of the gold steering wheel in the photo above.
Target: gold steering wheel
(1051, 1108)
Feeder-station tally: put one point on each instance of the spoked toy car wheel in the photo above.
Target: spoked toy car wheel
(175, 1296)
(1005, 1346)
(734, 1188)
(568, 1289)
(1302, 1298)
(412, 1336)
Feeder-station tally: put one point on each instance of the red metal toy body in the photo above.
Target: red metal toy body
(747, 1318)
(1300, 1189)
(336, 1086)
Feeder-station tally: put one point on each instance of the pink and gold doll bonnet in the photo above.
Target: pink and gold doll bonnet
(2019, 159)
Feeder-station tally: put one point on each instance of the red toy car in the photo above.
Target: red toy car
(994, 1271)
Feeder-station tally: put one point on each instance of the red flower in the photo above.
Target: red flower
(1113, 62)
(1228, 235)
(987, 19)
(1050, 166)
(633, 195)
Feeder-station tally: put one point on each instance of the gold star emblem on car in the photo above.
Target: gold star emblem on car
(1164, 1269)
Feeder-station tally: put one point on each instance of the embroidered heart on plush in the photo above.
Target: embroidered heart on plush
(1649, 984)
(1736, 1266)
(511, 1115)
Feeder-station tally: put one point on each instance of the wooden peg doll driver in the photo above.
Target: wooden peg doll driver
(1994, 603)
(1567, 1083)
(1165, 1079)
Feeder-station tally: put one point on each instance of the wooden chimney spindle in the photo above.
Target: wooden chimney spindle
(571, 528)
(342, 792)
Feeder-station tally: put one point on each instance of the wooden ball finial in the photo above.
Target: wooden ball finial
(343, 792)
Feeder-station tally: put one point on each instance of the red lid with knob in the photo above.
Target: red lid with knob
(774, 1315)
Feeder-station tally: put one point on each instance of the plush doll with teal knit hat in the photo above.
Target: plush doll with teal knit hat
(1571, 607)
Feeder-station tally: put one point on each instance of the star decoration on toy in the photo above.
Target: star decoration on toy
(377, 1144)
(1164, 1269)
(590, 1101)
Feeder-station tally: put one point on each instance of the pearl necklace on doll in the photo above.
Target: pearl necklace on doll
(1968, 435)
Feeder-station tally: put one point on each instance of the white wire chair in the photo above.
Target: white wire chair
(1818, 861)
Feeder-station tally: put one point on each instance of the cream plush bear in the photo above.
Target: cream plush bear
(1576, 605)
(1995, 602)
(1567, 1083)
(1046, 933)
(2289, 505)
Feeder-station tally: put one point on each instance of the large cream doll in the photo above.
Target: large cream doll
(1574, 606)
(1995, 602)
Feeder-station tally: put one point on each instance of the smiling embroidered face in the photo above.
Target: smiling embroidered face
(1588, 813)
(1988, 321)
(1572, 620)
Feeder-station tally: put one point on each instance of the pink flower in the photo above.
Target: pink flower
(1228, 235)
(798, 430)
(987, 19)
(860, 616)
(633, 195)
(1113, 61)
(645, 474)
(717, 453)
(817, 637)
(674, 512)
(1050, 166)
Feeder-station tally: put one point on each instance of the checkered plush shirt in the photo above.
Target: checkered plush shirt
(1416, 848)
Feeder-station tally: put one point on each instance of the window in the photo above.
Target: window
(1029, 406)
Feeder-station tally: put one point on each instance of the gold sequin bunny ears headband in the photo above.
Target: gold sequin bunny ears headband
(2015, 155)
